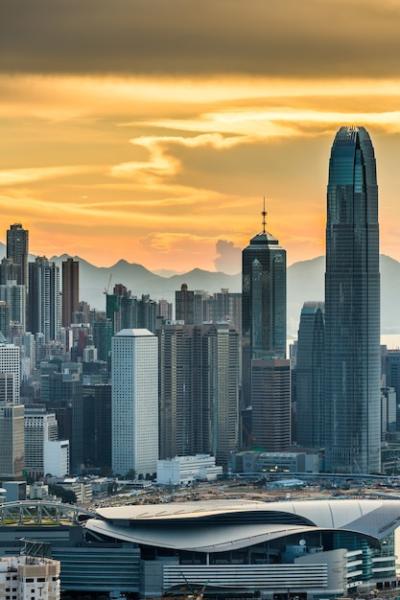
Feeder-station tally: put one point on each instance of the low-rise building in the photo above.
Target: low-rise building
(26, 577)
(186, 469)
(254, 461)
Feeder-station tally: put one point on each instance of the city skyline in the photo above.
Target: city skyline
(128, 158)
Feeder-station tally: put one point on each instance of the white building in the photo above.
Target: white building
(185, 469)
(134, 402)
(10, 365)
(56, 458)
(40, 427)
(29, 578)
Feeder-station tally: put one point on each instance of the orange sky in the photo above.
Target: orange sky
(157, 167)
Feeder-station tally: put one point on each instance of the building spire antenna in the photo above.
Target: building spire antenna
(264, 215)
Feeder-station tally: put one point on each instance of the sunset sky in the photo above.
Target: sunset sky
(150, 129)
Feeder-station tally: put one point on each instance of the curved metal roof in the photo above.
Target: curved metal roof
(161, 525)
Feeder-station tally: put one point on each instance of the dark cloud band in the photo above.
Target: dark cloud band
(312, 38)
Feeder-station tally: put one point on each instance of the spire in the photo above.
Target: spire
(264, 215)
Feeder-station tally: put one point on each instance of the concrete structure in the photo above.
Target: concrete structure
(352, 307)
(56, 457)
(134, 402)
(263, 303)
(319, 548)
(270, 403)
(186, 469)
(29, 578)
(11, 441)
(70, 290)
(40, 427)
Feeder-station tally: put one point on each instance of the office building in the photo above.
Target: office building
(9, 271)
(134, 402)
(29, 578)
(18, 251)
(388, 411)
(309, 373)
(44, 301)
(263, 303)
(352, 307)
(15, 297)
(40, 427)
(164, 310)
(11, 441)
(96, 427)
(56, 458)
(70, 290)
(271, 406)
(250, 462)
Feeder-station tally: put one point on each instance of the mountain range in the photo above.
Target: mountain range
(305, 281)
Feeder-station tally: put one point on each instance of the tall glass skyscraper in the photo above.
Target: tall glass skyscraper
(352, 306)
(263, 303)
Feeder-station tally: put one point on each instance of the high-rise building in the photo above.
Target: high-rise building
(18, 250)
(11, 441)
(309, 370)
(9, 271)
(134, 402)
(15, 296)
(263, 303)
(70, 290)
(271, 406)
(4, 319)
(96, 430)
(10, 373)
(352, 307)
(102, 336)
(44, 301)
(184, 305)
(198, 390)
(40, 427)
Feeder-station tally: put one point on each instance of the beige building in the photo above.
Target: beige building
(29, 578)
(11, 441)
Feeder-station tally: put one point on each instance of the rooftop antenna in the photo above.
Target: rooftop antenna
(264, 215)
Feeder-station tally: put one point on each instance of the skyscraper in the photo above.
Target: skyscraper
(17, 251)
(70, 290)
(352, 306)
(263, 303)
(198, 390)
(134, 402)
(309, 373)
(270, 401)
(15, 297)
(44, 302)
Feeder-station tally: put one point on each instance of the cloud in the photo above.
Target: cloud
(228, 257)
(279, 37)
(14, 177)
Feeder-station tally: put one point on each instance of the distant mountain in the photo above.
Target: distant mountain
(305, 282)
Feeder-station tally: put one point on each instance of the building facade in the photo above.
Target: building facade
(309, 373)
(263, 304)
(18, 251)
(70, 290)
(29, 578)
(134, 402)
(271, 404)
(44, 300)
(352, 307)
